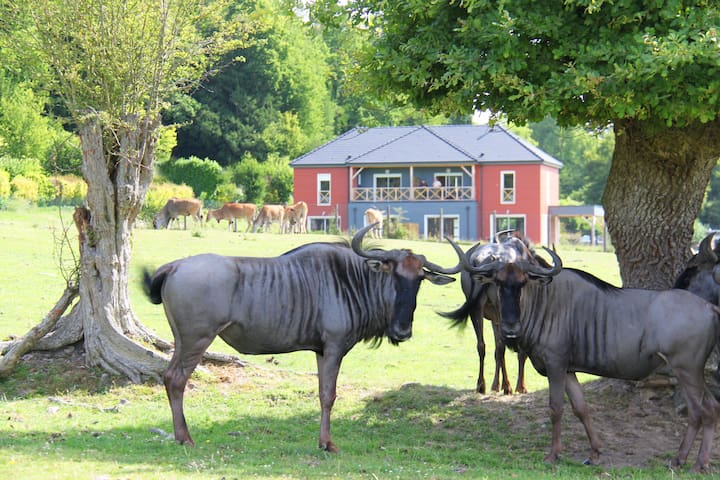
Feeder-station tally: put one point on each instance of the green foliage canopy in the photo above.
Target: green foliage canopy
(576, 60)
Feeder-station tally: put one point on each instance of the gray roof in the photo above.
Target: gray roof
(425, 144)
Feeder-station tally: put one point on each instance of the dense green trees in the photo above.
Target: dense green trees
(275, 100)
(651, 71)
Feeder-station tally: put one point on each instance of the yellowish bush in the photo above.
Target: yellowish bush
(69, 189)
(4, 184)
(24, 188)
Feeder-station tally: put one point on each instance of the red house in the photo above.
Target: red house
(466, 180)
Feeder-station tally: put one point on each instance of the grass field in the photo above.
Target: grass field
(402, 412)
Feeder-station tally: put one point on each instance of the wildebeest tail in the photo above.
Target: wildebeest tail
(152, 284)
(460, 315)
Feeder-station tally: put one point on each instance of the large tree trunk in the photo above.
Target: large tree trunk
(117, 166)
(654, 192)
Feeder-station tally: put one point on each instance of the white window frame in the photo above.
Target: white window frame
(456, 230)
(326, 222)
(494, 219)
(508, 194)
(324, 196)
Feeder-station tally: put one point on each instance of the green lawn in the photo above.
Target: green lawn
(402, 412)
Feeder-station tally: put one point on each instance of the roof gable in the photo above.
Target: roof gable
(425, 145)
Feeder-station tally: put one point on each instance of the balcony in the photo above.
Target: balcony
(411, 194)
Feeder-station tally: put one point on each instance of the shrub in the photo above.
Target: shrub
(69, 190)
(20, 166)
(250, 175)
(4, 184)
(203, 176)
(25, 188)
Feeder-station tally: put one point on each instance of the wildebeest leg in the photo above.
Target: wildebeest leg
(577, 400)
(328, 367)
(175, 378)
(556, 381)
(702, 410)
(500, 363)
(477, 322)
(520, 388)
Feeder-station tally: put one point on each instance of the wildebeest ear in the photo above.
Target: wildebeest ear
(437, 279)
(378, 265)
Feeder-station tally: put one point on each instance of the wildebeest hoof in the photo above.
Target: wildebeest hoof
(590, 461)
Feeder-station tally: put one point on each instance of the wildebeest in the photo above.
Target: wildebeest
(569, 321)
(231, 212)
(478, 307)
(702, 274)
(178, 207)
(295, 218)
(373, 215)
(267, 215)
(321, 297)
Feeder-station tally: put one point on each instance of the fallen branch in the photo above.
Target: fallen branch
(18, 348)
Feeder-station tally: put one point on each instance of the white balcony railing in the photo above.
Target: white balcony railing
(399, 194)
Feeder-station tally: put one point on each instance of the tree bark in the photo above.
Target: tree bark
(117, 166)
(654, 192)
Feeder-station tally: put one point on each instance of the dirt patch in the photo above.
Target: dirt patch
(638, 425)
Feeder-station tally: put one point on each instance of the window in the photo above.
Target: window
(435, 228)
(505, 223)
(387, 186)
(452, 184)
(331, 225)
(323, 188)
(507, 187)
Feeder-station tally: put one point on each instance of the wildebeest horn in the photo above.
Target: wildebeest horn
(438, 269)
(540, 271)
(485, 270)
(373, 254)
(706, 251)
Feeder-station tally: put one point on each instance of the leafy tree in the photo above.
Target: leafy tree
(114, 64)
(280, 180)
(649, 70)
(250, 176)
(275, 101)
(356, 105)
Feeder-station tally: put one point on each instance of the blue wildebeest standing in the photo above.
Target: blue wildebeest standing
(478, 307)
(569, 321)
(321, 297)
(176, 208)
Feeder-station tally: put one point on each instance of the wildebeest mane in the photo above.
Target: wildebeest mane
(590, 278)
(340, 242)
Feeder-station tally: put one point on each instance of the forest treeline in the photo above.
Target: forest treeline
(290, 89)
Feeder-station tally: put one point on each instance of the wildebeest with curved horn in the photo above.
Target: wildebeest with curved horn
(321, 297)
(702, 274)
(478, 308)
(569, 321)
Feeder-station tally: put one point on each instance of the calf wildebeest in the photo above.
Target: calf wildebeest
(321, 297)
(569, 321)
(295, 218)
(178, 207)
(373, 215)
(232, 211)
(267, 215)
(478, 307)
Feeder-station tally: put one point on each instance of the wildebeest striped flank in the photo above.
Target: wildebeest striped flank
(320, 297)
(569, 321)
